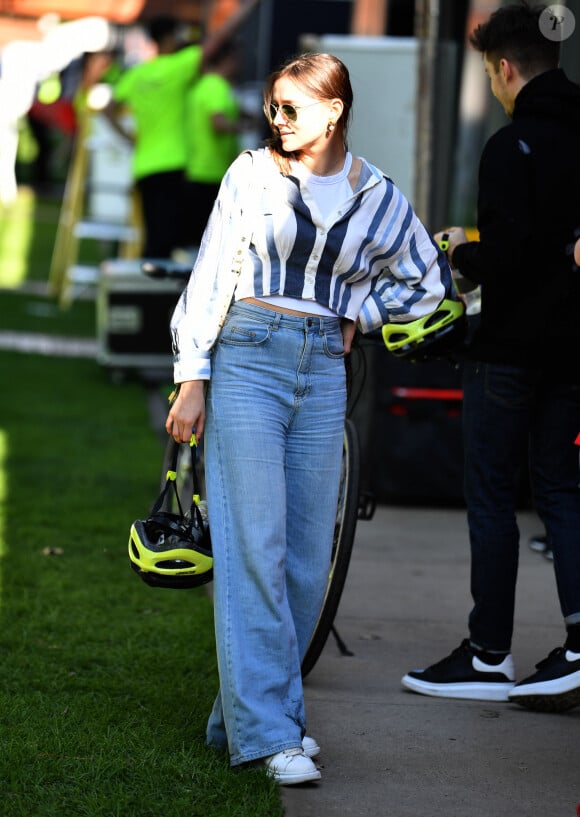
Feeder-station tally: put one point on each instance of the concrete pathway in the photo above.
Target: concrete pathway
(387, 752)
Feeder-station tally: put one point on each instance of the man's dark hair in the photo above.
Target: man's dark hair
(161, 27)
(513, 32)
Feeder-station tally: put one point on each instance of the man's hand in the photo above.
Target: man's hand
(453, 237)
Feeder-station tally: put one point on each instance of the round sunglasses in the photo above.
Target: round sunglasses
(289, 112)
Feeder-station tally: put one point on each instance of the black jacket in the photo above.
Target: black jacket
(528, 212)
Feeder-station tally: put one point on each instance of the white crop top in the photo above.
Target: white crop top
(328, 192)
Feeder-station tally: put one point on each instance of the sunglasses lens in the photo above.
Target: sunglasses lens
(288, 112)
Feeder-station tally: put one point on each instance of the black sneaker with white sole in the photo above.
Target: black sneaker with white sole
(555, 687)
(463, 674)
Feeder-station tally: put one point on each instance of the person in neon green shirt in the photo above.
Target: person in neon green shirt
(154, 92)
(213, 124)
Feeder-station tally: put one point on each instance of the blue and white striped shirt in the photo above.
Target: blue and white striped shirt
(370, 260)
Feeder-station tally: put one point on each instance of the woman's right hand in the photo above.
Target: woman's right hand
(187, 412)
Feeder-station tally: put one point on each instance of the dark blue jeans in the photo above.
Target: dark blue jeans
(510, 413)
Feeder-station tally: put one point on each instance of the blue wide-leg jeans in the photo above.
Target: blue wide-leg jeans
(509, 413)
(273, 446)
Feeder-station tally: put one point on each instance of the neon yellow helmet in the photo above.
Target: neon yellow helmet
(167, 550)
(434, 335)
(173, 549)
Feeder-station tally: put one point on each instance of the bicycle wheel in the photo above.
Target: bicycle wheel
(344, 530)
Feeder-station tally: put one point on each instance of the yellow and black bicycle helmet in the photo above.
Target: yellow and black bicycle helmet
(433, 336)
(168, 550)
(173, 549)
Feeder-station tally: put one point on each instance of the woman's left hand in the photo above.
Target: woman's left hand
(348, 332)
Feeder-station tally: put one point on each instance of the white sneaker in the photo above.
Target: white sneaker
(310, 747)
(291, 766)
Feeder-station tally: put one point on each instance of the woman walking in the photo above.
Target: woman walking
(323, 242)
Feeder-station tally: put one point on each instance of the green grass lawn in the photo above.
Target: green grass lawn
(23, 311)
(105, 683)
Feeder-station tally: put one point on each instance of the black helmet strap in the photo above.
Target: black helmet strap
(171, 485)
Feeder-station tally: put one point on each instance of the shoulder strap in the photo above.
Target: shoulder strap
(238, 258)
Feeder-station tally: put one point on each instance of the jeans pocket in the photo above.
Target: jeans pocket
(241, 329)
(334, 343)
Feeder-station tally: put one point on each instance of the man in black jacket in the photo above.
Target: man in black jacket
(522, 376)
